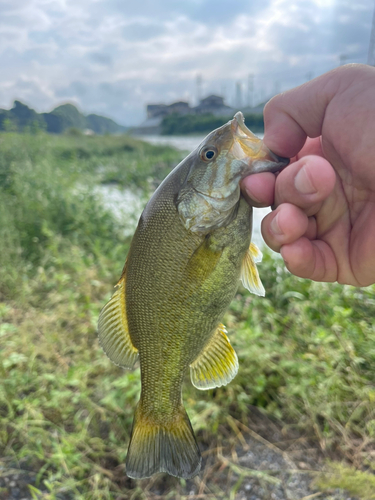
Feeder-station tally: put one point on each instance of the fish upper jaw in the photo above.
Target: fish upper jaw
(252, 151)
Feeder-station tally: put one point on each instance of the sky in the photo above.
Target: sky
(113, 57)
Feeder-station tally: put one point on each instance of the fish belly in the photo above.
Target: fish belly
(178, 287)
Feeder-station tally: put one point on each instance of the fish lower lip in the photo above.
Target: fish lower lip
(280, 160)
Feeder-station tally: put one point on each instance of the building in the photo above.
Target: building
(161, 110)
(212, 104)
(155, 110)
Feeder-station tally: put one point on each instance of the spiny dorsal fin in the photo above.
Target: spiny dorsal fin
(249, 272)
(217, 364)
(113, 330)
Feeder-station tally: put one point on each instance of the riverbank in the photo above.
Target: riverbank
(306, 350)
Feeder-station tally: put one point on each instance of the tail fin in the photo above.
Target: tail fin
(169, 447)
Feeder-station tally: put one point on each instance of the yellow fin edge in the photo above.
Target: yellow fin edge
(249, 272)
(113, 330)
(217, 364)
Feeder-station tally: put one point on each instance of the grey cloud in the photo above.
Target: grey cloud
(206, 12)
(142, 30)
(210, 12)
(329, 36)
(74, 90)
(101, 58)
(29, 92)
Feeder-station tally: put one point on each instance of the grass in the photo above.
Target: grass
(306, 351)
(357, 482)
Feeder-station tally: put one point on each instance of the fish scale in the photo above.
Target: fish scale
(191, 247)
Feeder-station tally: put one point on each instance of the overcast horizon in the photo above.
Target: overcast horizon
(112, 57)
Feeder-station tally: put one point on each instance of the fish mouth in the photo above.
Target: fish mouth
(252, 150)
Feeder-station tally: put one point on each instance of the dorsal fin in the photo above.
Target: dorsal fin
(217, 364)
(113, 329)
(249, 272)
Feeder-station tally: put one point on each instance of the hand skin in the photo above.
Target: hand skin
(324, 223)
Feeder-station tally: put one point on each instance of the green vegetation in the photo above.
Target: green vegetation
(21, 118)
(197, 124)
(306, 351)
(361, 484)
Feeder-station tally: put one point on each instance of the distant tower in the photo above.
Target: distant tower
(250, 97)
(199, 88)
(371, 49)
(238, 94)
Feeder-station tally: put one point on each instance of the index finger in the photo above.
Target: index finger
(299, 113)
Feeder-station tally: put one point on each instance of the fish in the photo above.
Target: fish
(191, 248)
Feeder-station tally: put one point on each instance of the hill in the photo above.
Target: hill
(21, 118)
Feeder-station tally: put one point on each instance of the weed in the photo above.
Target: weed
(306, 351)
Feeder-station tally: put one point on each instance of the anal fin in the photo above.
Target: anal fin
(217, 364)
(249, 272)
(113, 329)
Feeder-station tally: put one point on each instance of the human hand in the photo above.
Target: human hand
(324, 223)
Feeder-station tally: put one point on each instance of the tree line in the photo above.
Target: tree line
(21, 118)
(176, 124)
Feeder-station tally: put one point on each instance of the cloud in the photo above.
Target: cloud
(115, 56)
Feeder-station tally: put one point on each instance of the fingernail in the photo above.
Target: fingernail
(275, 228)
(303, 183)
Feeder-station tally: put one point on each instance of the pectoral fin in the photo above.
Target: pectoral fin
(217, 364)
(256, 253)
(113, 330)
(249, 272)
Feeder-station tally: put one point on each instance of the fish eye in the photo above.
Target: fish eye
(208, 153)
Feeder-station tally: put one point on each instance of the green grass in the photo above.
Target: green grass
(356, 482)
(306, 351)
(47, 195)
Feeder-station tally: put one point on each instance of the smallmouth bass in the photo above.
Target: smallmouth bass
(190, 249)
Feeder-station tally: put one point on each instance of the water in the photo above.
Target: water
(127, 204)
